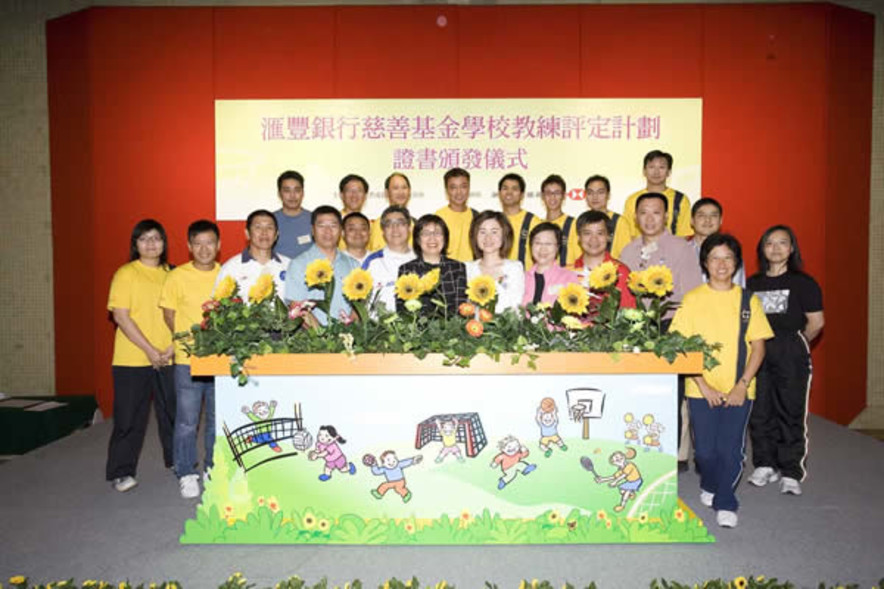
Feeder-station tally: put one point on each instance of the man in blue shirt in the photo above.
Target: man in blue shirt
(292, 219)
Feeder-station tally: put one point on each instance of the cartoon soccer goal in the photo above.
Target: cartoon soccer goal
(470, 432)
(246, 441)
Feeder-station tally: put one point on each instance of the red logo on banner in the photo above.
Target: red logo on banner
(576, 194)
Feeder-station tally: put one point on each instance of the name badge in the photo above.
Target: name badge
(302, 239)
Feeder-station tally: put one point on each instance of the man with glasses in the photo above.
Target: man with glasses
(326, 221)
(384, 264)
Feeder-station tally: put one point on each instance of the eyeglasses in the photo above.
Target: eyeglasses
(553, 193)
(431, 233)
(150, 238)
(327, 226)
(395, 223)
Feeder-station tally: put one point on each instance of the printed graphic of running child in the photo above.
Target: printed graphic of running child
(548, 419)
(627, 476)
(327, 440)
(511, 460)
(261, 411)
(391, 469)
(448, 430)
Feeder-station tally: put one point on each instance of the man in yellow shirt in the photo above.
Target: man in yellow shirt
(657, 169)
(511, 191)
(457, 215)
(186, 288)
(552, 191)
(597, 193)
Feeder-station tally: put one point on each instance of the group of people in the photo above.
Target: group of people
(762, 380)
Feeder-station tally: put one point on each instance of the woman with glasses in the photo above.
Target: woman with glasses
(142, 354)
(430, 247)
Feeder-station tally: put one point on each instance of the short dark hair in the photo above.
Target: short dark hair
(355, 215)
(325, 210)
(651, 195)
(512, 176)
(140, 229)
(506, 232)
(419, 226)
(260, 213)
(202, 226)
(289, 175)
(455, 173)
(590, 217)
(349, 178)
(706, 201)
(597, 178)
(393, 175)
(545, 226)
(793, 264)
(652, 155)
(553, 179)
(717, 239)
(392, 209)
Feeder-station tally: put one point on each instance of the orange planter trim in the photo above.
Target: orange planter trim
(547, 363)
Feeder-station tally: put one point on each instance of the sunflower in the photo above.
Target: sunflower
(603, 276)
(318, 272)
(475, 328)
(357, 285)
(408, 287)
(309, 521)
(554, 517)
(658, 280)
(643, 518)
(429, 280)
(573, 299)
(226, 289)
(740, 583)
(262, 288)
(635, 283)
(482, 289)
(324, 525)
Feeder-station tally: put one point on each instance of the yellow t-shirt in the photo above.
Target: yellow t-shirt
(376, 239)
(137, 287)
(185, 291)
(630, 228)
(574, 250)
(715, 315)
(516, 223)
(458, 233)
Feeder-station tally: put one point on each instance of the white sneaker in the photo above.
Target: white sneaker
(726, 519)
(763, 475)
(190, 486)
(790, 486)
(706, 498)
(124, 484)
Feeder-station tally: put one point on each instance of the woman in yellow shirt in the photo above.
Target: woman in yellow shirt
(720, 399)
(142, 355)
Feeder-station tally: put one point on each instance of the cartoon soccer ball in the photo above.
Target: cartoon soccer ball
(369, 460)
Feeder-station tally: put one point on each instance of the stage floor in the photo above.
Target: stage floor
(60, 519)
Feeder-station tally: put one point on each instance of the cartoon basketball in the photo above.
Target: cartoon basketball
(548, 405)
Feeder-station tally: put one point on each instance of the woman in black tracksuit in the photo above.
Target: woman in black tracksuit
(793, 303)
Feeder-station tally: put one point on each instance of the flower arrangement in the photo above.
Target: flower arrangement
(584, 318)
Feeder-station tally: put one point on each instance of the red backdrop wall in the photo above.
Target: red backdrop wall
(787, 96)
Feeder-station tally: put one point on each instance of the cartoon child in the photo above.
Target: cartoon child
(627, 476)
(327, 440)
(262, 411)
(391, 468)
(511, 460)
(548, 419)
(653, 428)
(632, 429)
(448, 430)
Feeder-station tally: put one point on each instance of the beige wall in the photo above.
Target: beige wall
(26, 320)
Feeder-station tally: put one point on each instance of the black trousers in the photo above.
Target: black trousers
(133, 388)
(778, 425)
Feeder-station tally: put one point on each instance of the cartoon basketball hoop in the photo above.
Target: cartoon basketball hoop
(585, 404)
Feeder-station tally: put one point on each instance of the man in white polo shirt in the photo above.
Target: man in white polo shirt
(384, 264)
(258, 257)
